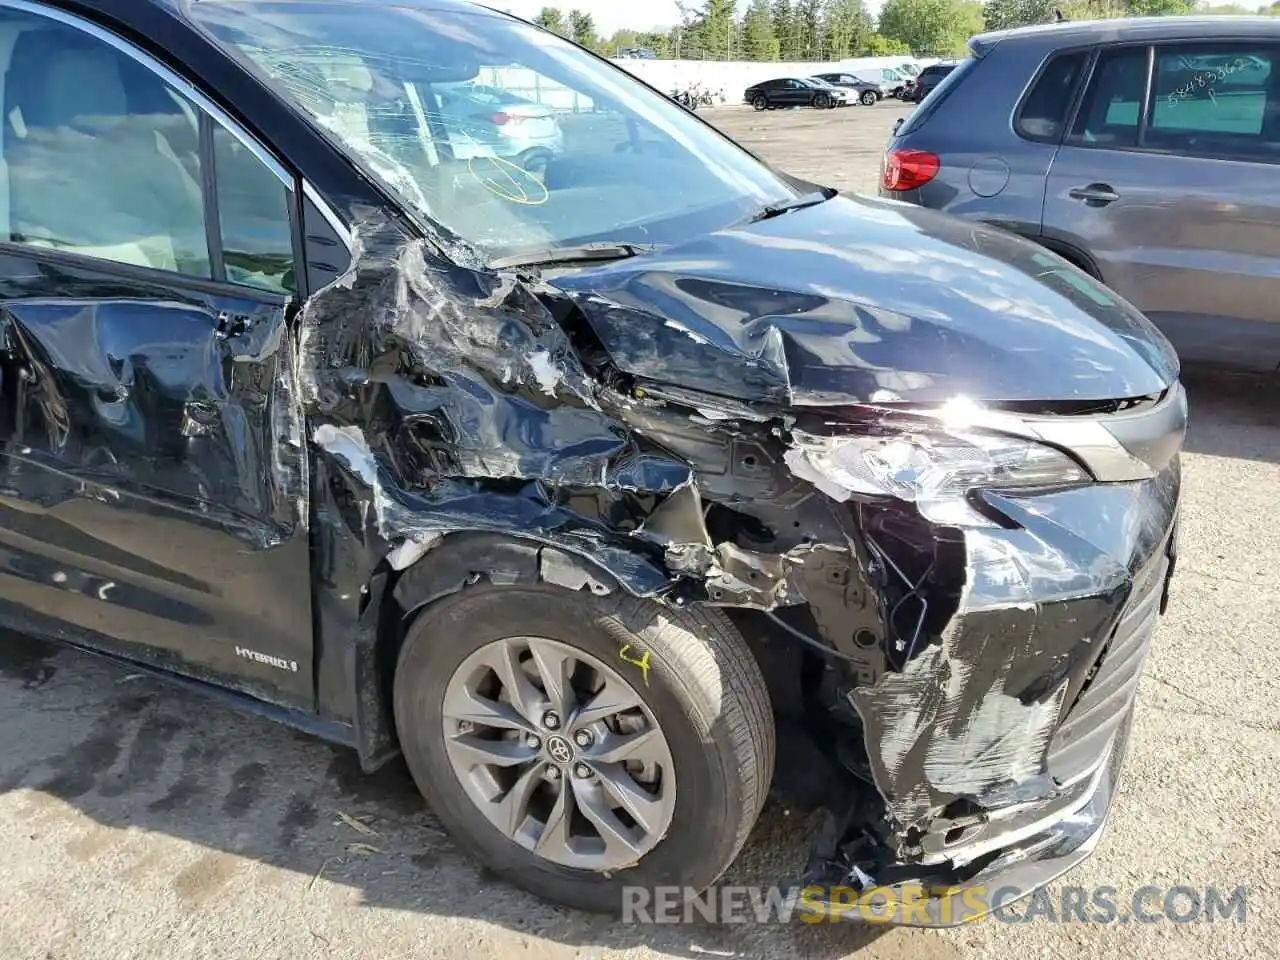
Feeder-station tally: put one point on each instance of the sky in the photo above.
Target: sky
(611, 15)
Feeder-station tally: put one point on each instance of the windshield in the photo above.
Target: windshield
(506, 135)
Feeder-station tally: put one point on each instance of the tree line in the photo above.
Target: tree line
(825, 30)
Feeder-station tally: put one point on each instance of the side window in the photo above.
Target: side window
(1216, 99)
(1109, 115)
(1044, 111)
(102, 158)
(253, 208)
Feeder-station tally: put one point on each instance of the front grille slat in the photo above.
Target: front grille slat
(1102, 707)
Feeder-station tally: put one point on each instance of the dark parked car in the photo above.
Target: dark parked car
(610, 496)
(864, 91)
(929, 78)
(1160, 179)
(795, 92)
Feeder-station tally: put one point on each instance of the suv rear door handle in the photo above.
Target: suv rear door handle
(1095, 194)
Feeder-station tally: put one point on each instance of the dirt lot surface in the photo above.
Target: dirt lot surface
(136, 822)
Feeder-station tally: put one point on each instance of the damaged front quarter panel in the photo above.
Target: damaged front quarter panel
(445, 399)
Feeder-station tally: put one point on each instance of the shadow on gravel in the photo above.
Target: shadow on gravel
(131, 751)
(1234, 415)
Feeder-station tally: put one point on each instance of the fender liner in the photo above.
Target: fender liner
(449, 567)
(1072, 253)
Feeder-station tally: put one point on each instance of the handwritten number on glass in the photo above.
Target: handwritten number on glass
(1205, 80)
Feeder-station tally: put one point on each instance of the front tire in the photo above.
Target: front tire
(868, 98)
(481, 676)
(760, 103)
(822, 101)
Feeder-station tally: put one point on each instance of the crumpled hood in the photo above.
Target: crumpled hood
(861, 299)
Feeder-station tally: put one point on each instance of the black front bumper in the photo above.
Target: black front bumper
(1021, 867)
(971, 851)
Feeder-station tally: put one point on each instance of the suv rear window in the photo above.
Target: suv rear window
(954, 77)
(1044, 110)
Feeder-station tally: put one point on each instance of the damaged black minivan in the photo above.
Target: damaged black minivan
(414, 376)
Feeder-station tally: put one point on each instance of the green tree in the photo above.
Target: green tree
(1094, 9)
(582, 29)
(1160, 8)
(688, 38)
(928, 27)
(621, 40)
(807, 22)
(759, 42)
(878, 45)
(721, 25)
(659, 43)
(1002, 14)
(784, 28)
(971, 20)
(552, 19)
(710, 30)
(846, 26)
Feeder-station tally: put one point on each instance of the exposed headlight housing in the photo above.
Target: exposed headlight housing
(933, 467)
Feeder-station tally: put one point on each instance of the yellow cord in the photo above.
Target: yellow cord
(516, 192)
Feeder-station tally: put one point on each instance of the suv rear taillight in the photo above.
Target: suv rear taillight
(907, 169)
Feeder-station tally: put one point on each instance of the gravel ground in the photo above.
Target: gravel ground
(138, 823)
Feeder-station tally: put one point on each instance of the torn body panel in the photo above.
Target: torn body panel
(152, 483)
(966, 634)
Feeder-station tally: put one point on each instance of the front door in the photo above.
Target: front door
(794, 93)
(1172, 190)
(149, 502)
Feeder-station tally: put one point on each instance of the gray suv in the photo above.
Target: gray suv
(1145, 151)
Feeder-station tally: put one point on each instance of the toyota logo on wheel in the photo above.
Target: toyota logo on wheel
(558, 749)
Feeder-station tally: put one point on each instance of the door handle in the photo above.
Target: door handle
(1095, 194)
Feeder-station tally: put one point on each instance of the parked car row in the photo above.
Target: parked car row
(867, 92)
(795, 92)
(824, 91)
(929, 78)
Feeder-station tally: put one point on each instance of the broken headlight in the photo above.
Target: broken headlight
(934, 468)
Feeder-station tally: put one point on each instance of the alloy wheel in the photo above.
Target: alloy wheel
(559, 752)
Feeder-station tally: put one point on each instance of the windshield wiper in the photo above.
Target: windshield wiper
(581, 253)
(796, 203)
